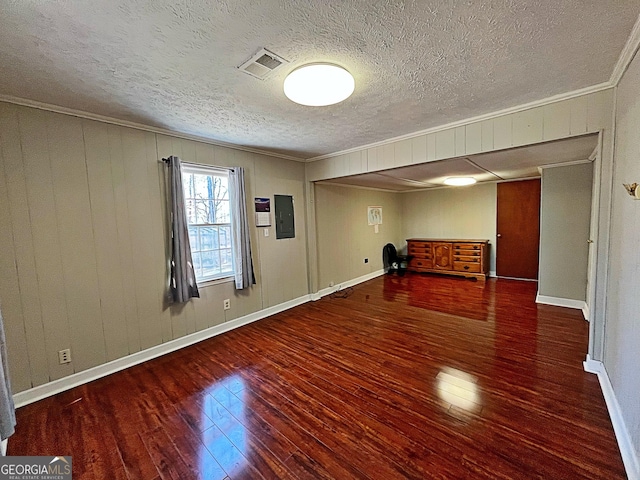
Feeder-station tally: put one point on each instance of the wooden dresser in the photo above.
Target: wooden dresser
(468, 258)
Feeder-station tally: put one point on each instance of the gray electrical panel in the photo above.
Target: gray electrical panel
(285, 225)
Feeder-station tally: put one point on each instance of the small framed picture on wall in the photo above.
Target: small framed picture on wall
(374, 215)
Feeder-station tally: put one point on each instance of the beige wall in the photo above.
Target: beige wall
(622, 334)
(565, 217)
(465, 212)
(345, 239)
(83, 263)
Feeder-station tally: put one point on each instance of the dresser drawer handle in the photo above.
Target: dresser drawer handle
(466, 267)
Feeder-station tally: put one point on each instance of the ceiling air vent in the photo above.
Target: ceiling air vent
(262, 64)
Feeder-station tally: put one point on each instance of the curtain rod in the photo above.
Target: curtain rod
(166, 160)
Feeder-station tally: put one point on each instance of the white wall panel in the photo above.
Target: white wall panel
(461, 141)
(419, 149)
(578, 108)
(473, 138)
(403, 153)
(527, 127)
(556, 121)
(431, 147)
(503, 132)
(487, 135)
(445, 144)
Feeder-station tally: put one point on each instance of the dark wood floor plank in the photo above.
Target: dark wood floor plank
(407, 377)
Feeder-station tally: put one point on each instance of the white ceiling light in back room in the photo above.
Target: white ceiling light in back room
(319, 84)
(459, 181)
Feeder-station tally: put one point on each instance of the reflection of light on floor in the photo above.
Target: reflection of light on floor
(226, 440)
(459, 389)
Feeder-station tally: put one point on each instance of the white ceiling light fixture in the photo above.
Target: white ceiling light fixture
(319, 84)
(460, 181)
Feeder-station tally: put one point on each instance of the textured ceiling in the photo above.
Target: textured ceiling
(417, 64)
(510, 164)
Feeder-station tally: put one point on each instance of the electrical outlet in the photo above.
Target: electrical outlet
(64, 356)
(266, 232)
(227, 304)
(366, 260)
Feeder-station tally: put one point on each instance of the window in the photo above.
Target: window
(206, 195)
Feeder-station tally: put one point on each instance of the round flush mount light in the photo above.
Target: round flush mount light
(319, 84)
(459, 181)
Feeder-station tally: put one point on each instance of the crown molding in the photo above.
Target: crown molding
(487, 116)
(627, 54)
(138, 126)
(358, 187)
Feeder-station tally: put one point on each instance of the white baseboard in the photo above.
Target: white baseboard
(629, 456)
(42, 391)
(563, 302)
(349, 283)
(492, 274)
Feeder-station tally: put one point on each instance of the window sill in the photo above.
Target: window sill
(215, 281)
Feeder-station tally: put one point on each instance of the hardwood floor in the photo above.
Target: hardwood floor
(409, 377)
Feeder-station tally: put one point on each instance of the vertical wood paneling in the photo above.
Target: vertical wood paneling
(503, 132)
(157, 172)
(84, 248)
(29, 294)
(556, 121)
(403, 154)
(354, 160)
(10, 301)
(342, 165)
(105, 227)
(388, 156)
(562, 119)
(46, 242)
(159, 274)
(599, 110)
(461, 141)
(578, 107)
(473, 138)
(375, 155)
(419, 149)
(487, 135)
(431, 147)
(527, 127)
(370, 159)
(77, 247)
(445, 144)
(125, 249)
(134, 154)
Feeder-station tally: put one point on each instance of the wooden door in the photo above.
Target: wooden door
(518, 225)
(442, 256)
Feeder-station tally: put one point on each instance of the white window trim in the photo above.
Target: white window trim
(199, 169)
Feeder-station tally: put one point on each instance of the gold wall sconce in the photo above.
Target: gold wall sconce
(633, 190)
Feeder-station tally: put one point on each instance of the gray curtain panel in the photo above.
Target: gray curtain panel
(240, 230)
(7, 408)
(183, 277)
